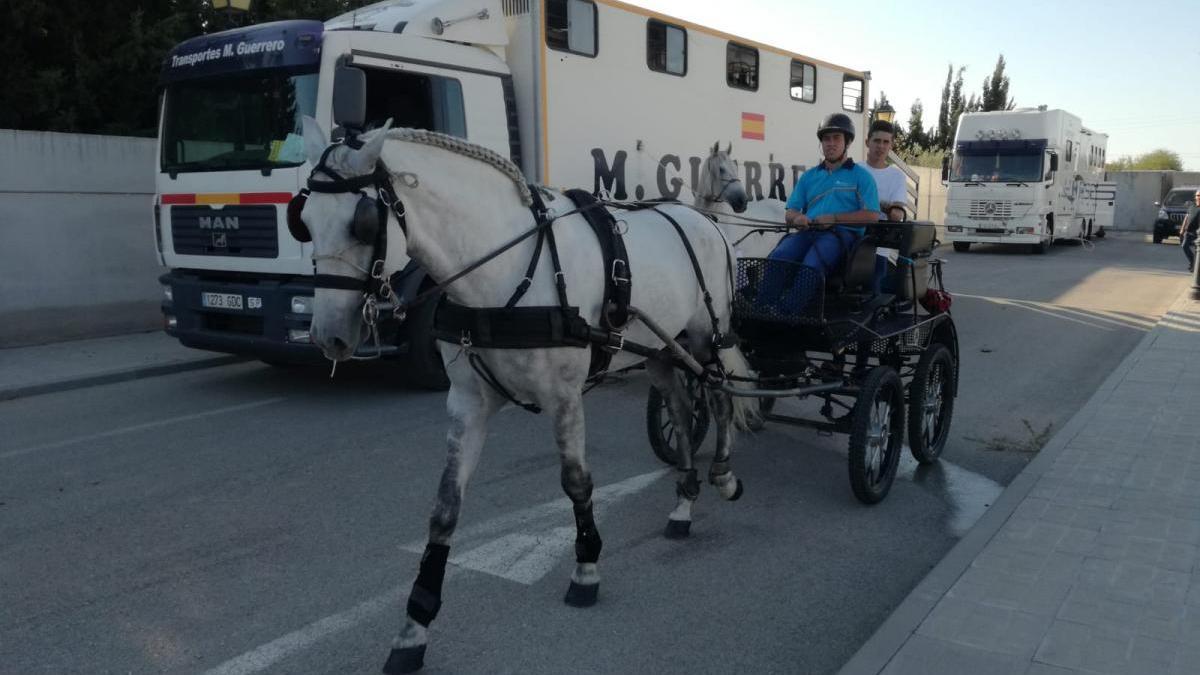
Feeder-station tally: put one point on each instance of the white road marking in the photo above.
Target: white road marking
(523, 557)
(275, 651)
(510, 550)
(138, 427)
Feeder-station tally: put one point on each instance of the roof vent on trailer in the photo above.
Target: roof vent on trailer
(516, 7)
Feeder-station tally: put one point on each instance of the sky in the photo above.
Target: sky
(1122, 67)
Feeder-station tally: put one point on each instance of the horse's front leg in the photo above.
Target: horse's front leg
(470, 409)
(679, 409)
(577, 483)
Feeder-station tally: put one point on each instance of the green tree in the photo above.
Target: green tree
(916, 139)
(995, 89)
(1122, 163)
(1155, 160)
(1158, 160)
(943, 130)
(80, 66)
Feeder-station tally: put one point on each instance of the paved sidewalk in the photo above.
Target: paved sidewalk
(29, 371)
(1090, 560)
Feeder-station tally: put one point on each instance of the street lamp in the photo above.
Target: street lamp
(885, 113)
(232, 8)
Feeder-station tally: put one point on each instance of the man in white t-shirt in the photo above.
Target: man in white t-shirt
(891, 181)
(893, 192)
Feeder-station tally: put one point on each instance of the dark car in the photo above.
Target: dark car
(1171, 211)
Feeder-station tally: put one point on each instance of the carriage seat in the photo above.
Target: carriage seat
(856, 274)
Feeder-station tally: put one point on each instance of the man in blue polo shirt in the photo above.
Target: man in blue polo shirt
(836, 191)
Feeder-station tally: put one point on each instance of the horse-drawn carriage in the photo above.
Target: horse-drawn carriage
(868, 348)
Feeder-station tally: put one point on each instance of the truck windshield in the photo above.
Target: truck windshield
(997, 167)
(242, 121)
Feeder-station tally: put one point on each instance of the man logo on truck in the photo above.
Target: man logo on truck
(218, 223)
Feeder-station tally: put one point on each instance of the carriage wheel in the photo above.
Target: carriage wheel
(876, 434)
(662, 431)
(931, 404)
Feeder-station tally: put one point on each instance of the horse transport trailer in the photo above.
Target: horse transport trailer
(1026, 176)
(579, 93)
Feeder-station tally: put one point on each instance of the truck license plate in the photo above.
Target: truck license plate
(221, 300)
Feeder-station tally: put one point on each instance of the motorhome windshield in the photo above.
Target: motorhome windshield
(998, 162)
(247, 121)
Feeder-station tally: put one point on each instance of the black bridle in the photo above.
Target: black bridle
(368, 226)
(724, 182)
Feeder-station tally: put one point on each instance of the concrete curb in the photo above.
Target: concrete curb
(874, 655)
(10, 393)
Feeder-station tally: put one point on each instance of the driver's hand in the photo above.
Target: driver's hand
(825, 221)
(799, 221)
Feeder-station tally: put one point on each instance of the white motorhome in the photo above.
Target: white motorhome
(1026, 176)
(580, 93)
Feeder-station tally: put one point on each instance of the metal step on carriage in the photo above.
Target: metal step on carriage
(870, 348)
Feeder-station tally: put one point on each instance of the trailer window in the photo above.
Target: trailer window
(666, 48)
(741, 66)
(571, 26)
(852, 93)
(1070, 154)
(804, 81)
(415, 101)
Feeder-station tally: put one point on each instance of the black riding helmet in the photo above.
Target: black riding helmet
(837, 122)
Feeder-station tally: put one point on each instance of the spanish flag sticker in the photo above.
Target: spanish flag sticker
(754, 126)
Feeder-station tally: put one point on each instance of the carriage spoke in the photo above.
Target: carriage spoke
(932, 407)
(877, 439)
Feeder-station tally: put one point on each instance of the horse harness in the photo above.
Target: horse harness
(508, 327)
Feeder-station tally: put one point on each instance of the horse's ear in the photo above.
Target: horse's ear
(363, 161)
(716, 147)
(729, 150)
(315, 140)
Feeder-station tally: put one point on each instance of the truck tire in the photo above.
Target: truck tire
(1158, 238)
(422, 366)
(1039, 248)
(962, 246)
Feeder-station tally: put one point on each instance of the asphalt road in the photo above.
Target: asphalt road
(249, 519)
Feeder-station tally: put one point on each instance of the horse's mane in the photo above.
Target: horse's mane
(467, 149)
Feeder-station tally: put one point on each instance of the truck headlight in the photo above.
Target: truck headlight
(302, 304)
(168, 294)
(1162, 213)
(299, 335)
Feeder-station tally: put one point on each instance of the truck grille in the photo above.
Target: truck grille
(237, 231)
(982, 208)
(1176, 217)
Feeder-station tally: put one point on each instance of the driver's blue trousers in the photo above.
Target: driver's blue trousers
(822, 250)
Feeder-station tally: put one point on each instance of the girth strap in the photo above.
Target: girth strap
(614, 314)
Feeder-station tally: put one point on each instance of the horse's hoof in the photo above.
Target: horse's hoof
(405, 660)
(678, 529)
(582, 595)
(737, 492)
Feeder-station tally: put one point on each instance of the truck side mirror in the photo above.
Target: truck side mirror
(350, 98)
(945, 168)
(1053, 162)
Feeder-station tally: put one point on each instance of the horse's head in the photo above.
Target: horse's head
(719, 180)
(344, 212)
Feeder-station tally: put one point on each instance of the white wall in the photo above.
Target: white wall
(77, 254)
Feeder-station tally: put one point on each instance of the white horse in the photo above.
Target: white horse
(463, 202)
(721, 193)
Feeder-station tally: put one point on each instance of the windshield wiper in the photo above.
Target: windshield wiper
(1019, 184)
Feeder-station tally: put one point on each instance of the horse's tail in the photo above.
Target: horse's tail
(745, 408)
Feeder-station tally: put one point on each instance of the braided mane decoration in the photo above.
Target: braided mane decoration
(467, 149)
